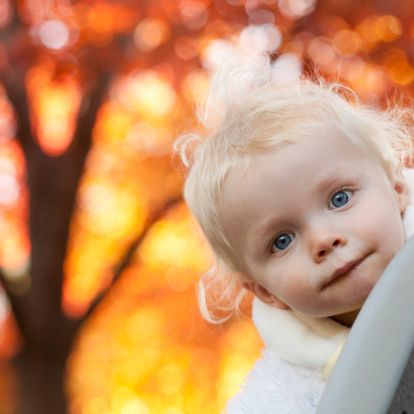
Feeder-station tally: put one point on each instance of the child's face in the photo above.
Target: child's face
(314, 223)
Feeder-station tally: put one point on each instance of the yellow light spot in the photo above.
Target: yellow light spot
(171, 378)
(148, 94)
(240, 346)
(135, 406)
(169, 244)
(149, 140)
(195, 86)
(96, 406)
(115, 125)
(145, 325)
(109, 209)
(55, 106)
(174, 410)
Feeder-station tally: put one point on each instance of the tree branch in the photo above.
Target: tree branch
(126, 260)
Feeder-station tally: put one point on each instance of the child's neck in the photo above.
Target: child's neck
(346, 319)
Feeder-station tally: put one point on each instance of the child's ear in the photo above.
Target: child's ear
(264, 295)
(401, 191)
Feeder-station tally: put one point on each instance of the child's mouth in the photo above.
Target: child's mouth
(345, 269)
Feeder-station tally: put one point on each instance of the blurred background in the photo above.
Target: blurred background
(98, 254)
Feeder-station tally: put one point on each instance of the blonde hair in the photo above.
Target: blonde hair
(248, 112)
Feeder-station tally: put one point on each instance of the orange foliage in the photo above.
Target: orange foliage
(54, 108)
(161, 357)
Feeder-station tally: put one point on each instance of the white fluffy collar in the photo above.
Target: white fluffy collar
(298, 339)
(307, 341)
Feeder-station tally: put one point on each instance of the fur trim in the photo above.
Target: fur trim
(277, 387)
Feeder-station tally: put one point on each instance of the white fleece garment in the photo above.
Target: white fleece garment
(289, 377)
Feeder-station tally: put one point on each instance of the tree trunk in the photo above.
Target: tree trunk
(41, 382)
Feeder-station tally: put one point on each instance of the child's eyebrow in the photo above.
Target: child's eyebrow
(262, 235)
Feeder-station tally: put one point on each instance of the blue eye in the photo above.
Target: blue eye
(340, 199)
(283, 241)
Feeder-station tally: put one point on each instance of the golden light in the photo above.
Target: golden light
(388, 28)
(107, 213)
(371, 84)
(86, 278)
(151, 33)
(169, 244)
(240, 345)
(159, 355)
(148, 94)
(56, 110)
(368, 34)
(100, 22)
(346, 42)
(113, 124)
(146, 139)
(54, 106)
(194, 86)
(100, 201)
(398, 68)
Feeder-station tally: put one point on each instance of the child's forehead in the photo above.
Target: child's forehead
(294, 152)
(306, 158)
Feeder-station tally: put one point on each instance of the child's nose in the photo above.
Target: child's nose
(324, 244)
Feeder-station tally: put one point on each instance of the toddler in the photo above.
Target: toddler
(301, 193)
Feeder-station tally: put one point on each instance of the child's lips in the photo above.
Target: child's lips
(345, 269)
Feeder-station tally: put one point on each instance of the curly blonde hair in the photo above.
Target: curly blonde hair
(248, 112)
